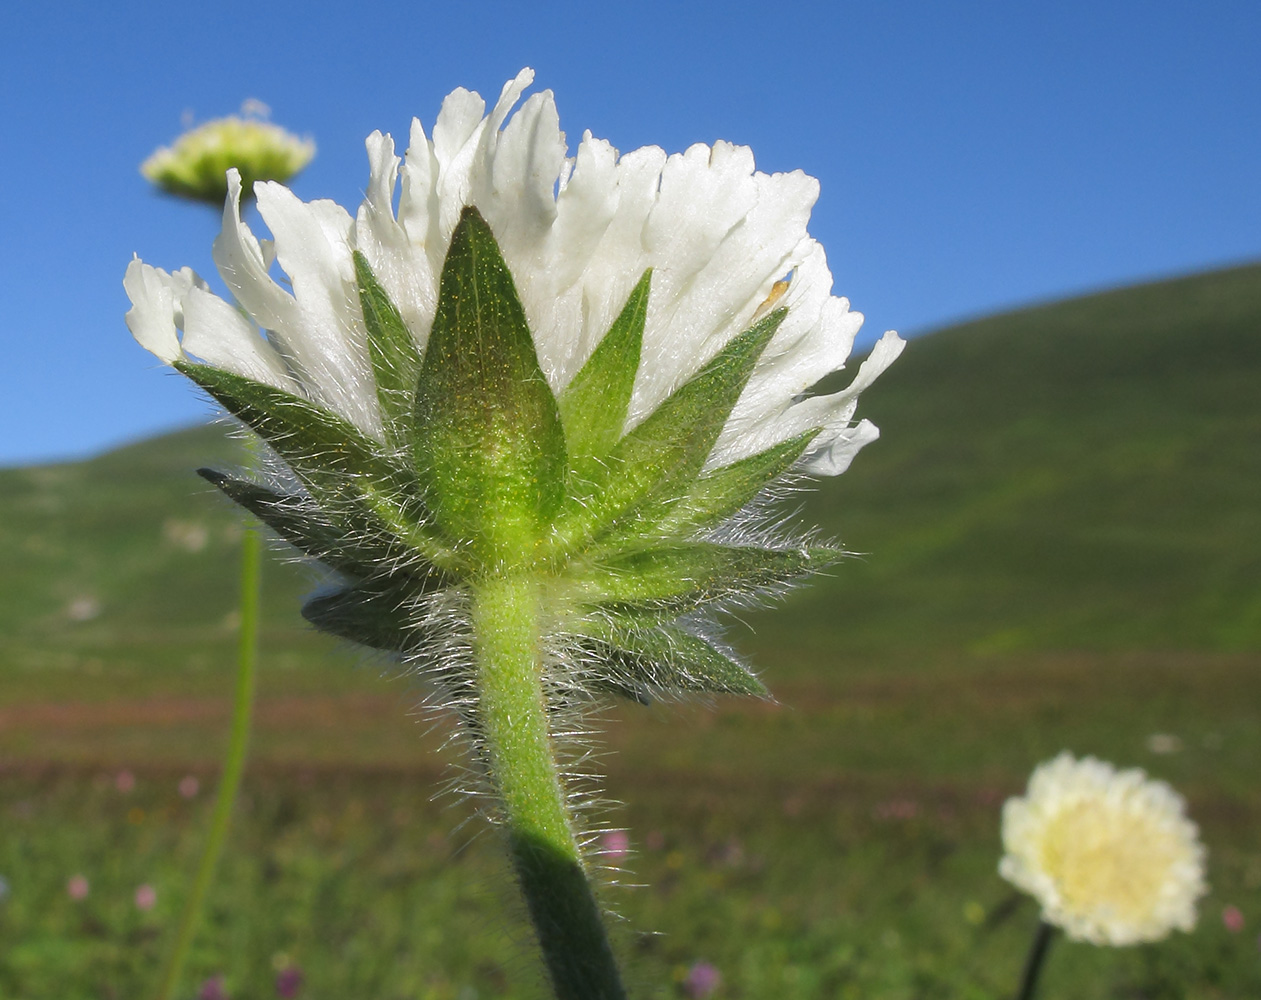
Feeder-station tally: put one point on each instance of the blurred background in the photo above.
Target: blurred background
(1058, 529)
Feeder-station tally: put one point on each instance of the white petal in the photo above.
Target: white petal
(455, 141)
(832, 413)
(514, 187)
(217, 334)
(326, 337)
(838, 449)
(400, 266)
(814, 340)
(151, 318)
(243, 266)
(582, 313)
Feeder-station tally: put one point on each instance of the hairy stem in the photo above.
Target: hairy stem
(234, 762)
(513, 719)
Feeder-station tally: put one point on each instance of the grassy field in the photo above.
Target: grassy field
(1062, 537)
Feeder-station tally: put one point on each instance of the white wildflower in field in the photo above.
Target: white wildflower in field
(531, 419)
(1110, 855)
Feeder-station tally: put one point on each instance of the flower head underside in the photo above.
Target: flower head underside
(579, 370)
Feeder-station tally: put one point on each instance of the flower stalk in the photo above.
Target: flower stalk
(233, 764)
(513, 719)
(1041, 944)
(196, 168)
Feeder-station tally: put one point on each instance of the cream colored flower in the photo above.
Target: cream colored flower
(577, 234)
(196, 165)
(1110, 855)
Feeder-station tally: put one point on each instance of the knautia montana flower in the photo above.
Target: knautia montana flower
(1109, 855)
(530, 420)
(196, 165)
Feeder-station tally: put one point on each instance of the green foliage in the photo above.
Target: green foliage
(649, 658)
(664, 454)
(674, 578)
(821, 888)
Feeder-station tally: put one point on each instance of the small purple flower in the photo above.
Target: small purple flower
(615, 845)
(146, 897)
(124, 781)
(189, 786)
(702, 980)
(1232, 919)
(77, 887)
(213, 988)
(4, 888)
(288, 982)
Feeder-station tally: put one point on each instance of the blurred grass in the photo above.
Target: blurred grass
(1063, 528)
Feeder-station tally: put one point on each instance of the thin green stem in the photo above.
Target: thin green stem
(513, 721)
(1042, 939)
(234, 763)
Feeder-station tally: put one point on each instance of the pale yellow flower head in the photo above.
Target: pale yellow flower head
(1110, 855)
(196, 165)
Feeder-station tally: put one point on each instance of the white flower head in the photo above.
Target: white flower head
(1110, 855)
(576, 232)
(586, 370)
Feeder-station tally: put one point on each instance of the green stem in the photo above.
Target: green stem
(234, 763)
(1033, 963)
(513, 721)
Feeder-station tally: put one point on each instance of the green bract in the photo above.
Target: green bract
(485, 474)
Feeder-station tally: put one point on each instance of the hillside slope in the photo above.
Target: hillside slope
(1085, 474)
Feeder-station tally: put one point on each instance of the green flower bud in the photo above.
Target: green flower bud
(196, 165)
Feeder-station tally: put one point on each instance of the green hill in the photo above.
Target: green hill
(1082, 475)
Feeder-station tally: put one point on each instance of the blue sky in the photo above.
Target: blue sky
(973, 156)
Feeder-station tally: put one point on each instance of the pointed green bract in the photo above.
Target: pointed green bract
(672, 443)
(715, 496)
(299, 522)
(302, 524)
(377, 614)
(719, 494)
(593, 406)
(348, 478)
(488, 442)
(395, 360)
(640, 658)
(325, 450)
(668, 449)
(674, 578)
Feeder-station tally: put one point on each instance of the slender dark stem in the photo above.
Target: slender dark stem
(1033, 963)
(234, 762)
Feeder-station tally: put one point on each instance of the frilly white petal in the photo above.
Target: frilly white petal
(154, 296)
(400, 265)
(243, 263)
(324, 334)
(213, 331)
(577, 235)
